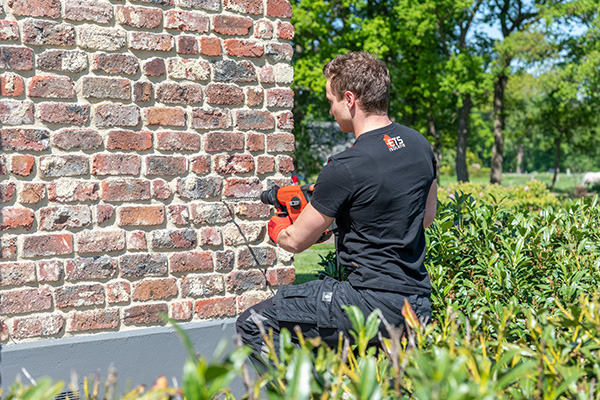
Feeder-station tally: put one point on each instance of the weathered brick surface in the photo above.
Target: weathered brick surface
(135, 139)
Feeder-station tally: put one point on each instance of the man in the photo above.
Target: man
(382, 194)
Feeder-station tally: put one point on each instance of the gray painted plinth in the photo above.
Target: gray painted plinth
(139, 356)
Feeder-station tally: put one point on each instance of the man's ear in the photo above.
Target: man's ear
(350, 99)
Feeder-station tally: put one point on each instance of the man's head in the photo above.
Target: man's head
(363, 75)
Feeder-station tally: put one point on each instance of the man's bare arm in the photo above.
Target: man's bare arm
(305, 231)
(431, 207)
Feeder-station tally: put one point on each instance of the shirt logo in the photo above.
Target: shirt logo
(394, 143)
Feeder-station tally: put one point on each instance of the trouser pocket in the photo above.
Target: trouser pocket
(310, 303)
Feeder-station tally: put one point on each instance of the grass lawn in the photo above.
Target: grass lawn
(307, 262)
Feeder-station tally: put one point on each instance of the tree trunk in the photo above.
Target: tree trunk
(557, 142)
(520, 158)
(462, 173)
(498, 148)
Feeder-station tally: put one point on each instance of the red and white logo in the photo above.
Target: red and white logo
(394, 143)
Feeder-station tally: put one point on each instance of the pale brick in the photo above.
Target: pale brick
(199, 188)
(206, 285)
(100, 241)
(64, 217)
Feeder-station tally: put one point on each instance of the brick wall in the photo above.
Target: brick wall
(135, 140)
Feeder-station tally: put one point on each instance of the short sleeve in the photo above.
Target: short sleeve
(333, 189)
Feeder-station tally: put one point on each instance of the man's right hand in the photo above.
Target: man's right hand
(276, 225)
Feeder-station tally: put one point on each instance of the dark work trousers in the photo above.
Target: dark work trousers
(316, 308)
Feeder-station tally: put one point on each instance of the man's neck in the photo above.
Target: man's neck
(370, 123)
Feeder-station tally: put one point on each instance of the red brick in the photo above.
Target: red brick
(150, 41)
(211, 118)
(36, 8)
(224, 260)
(8, 248)
(100, 241)
(7, 191)
(64, 113)
(281, 276)
(21, 301)
(115, 64)
(108, 115)
(224, 141)
(93, 320)
(157, 2)
(265, 164)
(155, 289)
(2, 171)
(63, 60)
(66, 191)
(191, 69)
(186, 21)
(266, 74)
(147, 314)
(279, 8)
(116, 164)
(243, 48)
(155, 67)
(250, 210)
(253, 7)
(191, 261)
(177, 93)
(244, 233)
(16, 58)
(247, 300)
(68, 165)
(178, 214)
(231, 25)
(178, 141)
(90, 268)
(79, 296)
(9, 30)
(263, 29)
(136, 240)
(50, 270)
(4, 335)
(139, 17)
(255, 141)
(225, 94)
(104, 212)
(17, 274)
(254, 119)
(161, 189)
(174, 239)
(215, 308)
(233, 71)
(210, 236)
(280, 142)
(234, 164)
(106, 88)
(254, 96)
(16, 218)
(205, 285)
(64, 217)
(97, 38)
(187, 44)
(128, 189)
(285, 30)
(242, 281)
(279, 52)
(47, 33)
(210, 213)
(210, 5)
(165, 116)
(166, 165)
(181, 310)
(11, 85)
(16, 112)
(37, 325)
(280, 97)
(142, 92)
(242, 188)
(285, 164)
(22, 164)
(85, 10)
(199, 188)
(118, 292)
(129, 140)
(210, 46)
(47, 245)
(141, 215)
(201, 164)
(77, 138)
(57, 87)
(252, 257)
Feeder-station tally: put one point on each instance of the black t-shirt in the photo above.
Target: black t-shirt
(377, 191)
